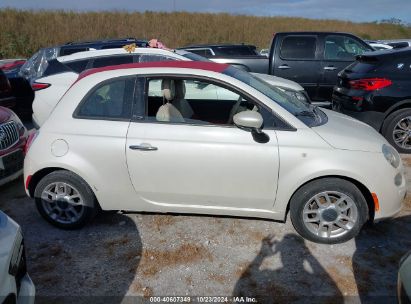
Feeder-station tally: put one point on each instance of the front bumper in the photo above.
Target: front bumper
(11, 165)
(390, 196)
(27, 291)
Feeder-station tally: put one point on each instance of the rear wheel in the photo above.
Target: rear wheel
(328, 211)
(397, 130)
(65, 200)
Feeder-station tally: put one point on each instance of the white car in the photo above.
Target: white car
(15, 283)
(63, 71)
(380, 46)
(110, 144)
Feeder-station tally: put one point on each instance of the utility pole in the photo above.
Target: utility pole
(174, 5)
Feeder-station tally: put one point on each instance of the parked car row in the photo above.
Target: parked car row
(63, 71)
(216, 138)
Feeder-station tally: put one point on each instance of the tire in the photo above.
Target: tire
(65, 200)
(393, 123)
(307, 216)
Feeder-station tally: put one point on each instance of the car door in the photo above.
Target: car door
(298, 61)
(338, 51)
(203, 164)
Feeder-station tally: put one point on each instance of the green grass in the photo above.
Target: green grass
(23, 32)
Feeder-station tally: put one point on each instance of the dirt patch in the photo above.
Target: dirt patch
(345, 283)
(406, 161)
(163, 221)
(407, 201)
(154, 260)
(218, 278)
(110, 245)
(257, 236)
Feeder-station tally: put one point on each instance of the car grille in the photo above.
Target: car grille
(9, 135)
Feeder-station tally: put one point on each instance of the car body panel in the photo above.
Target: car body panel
(10, 241)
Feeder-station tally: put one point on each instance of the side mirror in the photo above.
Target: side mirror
(251, 121)
(248, 120)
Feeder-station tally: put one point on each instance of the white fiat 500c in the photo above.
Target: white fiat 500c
(256, 152)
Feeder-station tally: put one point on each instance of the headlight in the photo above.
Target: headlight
(391, 155)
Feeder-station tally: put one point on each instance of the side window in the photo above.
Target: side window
(112, 100)
(298, 47)
(151, 58)
(342, 48)
(112, 60)
(202, 52)
(78, 66)
(195, 101)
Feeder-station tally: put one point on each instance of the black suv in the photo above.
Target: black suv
(376, 89)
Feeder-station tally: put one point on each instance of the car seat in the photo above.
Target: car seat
(167, 112)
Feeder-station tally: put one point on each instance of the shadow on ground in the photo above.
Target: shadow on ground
(299, 267)
(96, 264)
(379, 249)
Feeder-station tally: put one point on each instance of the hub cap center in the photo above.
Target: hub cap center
(329, 215)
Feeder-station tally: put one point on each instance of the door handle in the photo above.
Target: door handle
(284, 67)
(143, 147)
(330, 68)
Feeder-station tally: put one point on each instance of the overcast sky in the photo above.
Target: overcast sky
(354, 10)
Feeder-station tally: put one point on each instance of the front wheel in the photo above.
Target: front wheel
(328, 211)
(65, 200)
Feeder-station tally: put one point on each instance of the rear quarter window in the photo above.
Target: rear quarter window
(298, 47)
(78, 66)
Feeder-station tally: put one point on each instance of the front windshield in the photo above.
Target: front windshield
(304, 111)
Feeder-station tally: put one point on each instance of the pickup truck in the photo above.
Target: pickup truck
(312, 59)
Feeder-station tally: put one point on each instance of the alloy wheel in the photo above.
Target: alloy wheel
(330, 214)
(62, 202)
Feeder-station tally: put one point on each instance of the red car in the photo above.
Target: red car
(13, 138)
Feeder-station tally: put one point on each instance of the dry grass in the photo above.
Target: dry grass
(23, 32)
(155, 260)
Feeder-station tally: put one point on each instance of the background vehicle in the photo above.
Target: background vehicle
(242, 56)
(11, 66)
(35, 66)
(13, 137)
(15, 283)
(312, 59)
(63, 71)
(6, 94)
(404, 280)
(376, 45)
(377, 90)
(397, 43)
(254, 151)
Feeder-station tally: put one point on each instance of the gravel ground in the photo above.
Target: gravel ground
(124, 255)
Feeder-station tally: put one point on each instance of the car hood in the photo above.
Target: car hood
(346, 133)
(279, 82)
